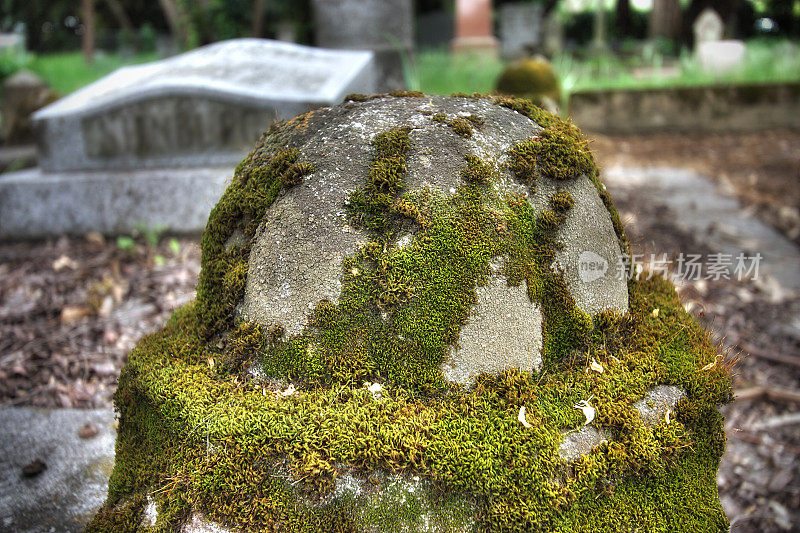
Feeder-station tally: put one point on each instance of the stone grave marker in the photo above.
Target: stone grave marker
(708, 26)
(12, 43)
(23, 93)
(715, 55)
(414, 315)
(719, 57)
(153, 144)
(384, 26)
(520, 29)
(474, 27)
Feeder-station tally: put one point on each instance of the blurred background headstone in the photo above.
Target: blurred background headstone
(384, 26)
(474, 27)
(153, 144)
(520, 29)
(707, 27)
(715, 55)
(23, 93)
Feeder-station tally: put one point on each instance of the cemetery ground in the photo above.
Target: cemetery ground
(71, 309)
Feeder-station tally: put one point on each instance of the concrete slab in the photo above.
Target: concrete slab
(64, 496)
(717, 219)
(38, 204)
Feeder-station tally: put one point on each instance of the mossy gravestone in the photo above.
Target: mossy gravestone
(533, 78)
(393, 332)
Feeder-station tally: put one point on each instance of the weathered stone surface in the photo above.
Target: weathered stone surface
(204, 107)
(65, 495)
(591, 258)
(297, 262)
(297, 253)
(658, 400)
(504, 331)
(579, 442)
(406, 503)
(652, 409)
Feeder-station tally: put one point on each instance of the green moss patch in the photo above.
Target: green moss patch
(255, 460)
(462, 126)
(529, 78)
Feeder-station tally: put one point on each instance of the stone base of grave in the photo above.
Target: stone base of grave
(72, 485)
(36, 204)
(484, 45)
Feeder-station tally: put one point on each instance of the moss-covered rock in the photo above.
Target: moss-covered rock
(531, 78)
(392, 332)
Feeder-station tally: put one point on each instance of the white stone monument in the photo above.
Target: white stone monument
(708, 26)
(715, 55)
(153, 144)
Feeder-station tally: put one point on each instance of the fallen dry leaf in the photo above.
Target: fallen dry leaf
(712, 364)
(588, 410)
(88, 430)
(597, 367)
(64, 262)
(522, 419)
(73, 313)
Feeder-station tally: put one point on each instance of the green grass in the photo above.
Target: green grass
(67, 72)
(439, 72)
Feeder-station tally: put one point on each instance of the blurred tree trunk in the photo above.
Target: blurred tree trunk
(665, 19)
(599, 41)
(122, 17)
(622, 18)
(175, 21)
(87, 40)
(258, 18)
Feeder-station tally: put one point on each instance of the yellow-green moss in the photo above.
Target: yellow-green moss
(462, 126)
(195, 440)
(573, 136)
(198, 433)
(553, 153)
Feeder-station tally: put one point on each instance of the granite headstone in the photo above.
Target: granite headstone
(154, 144)
(384, 26)
(520, 29)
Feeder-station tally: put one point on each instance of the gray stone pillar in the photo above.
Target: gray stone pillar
(384, 26)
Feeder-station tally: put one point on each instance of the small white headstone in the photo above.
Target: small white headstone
(708, 26)
(718, 57)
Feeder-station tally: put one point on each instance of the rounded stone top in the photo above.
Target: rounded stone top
(469, 233)
(529, 77)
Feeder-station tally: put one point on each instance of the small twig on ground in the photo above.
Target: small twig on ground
(769, 356)
(777, 421)
(758, 440)
(770, 393)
